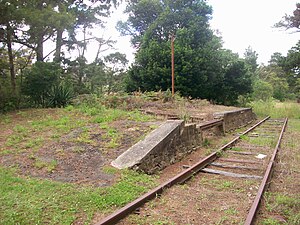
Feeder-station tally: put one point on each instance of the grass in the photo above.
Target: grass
(286, 205)
(276, 109)
(50, 166)
(5, 119)
(283, 199)
(34, 201)
(270, 221)
(26, 200)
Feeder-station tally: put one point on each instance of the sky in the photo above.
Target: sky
(240, 23)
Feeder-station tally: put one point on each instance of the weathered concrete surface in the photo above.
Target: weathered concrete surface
(156, 141)
(235, 119)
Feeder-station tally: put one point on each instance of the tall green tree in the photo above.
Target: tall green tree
(201, 65)
(10, 21)
(251, 57)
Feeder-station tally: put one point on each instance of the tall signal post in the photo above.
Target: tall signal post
(173, 64)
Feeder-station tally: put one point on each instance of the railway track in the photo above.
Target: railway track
(248, 157)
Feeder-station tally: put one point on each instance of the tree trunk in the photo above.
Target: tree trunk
(11, 58)
(58, 45)
(40, 48)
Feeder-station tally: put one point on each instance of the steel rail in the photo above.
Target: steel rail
(265, 182)
(180, 178)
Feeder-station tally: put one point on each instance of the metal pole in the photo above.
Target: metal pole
(173, 65)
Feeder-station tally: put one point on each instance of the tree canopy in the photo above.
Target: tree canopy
(203, 69)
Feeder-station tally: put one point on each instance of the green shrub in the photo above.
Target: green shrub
(60, 96)
(39, 80)
(262, 90)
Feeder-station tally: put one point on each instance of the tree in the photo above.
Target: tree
(250, 57)
(291, 21)
(201, 65)
(236, 79)
(276, 77)
(115, 69)
(262, 90)
(10, 21)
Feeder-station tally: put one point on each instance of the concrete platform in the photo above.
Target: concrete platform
(154, 142)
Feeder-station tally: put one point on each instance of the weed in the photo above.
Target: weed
(20, 129)
(262, 141)
(109, 170)
(139, 117)
(236, 149)
(162, 222)
(202, 196)
(78, 149)
(35, 143)
(270, 221)
(208, 151)
(231, 211)
(69, 108)
(5, 152)
(295, 218)
(50, 166)
(5, 119)
(276, 109)
(206, 143)
(220, 153)
(226, 185)
(55, 136)
(84, 138)
(14, 139)
(287, 201)
(244, 137)
(222, 220)
(114, 137)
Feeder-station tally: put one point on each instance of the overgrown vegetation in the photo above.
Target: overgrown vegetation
(283, 199)
(276, 109)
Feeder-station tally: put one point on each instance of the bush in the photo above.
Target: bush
(8, 100)
(60, 95)
(262, 90)
(39, 80)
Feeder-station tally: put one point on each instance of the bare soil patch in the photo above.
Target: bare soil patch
(81, 155)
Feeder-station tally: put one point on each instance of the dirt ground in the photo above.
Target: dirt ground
(80, 156)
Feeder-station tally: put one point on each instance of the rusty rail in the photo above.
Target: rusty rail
(180, 178)
(265, 182)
